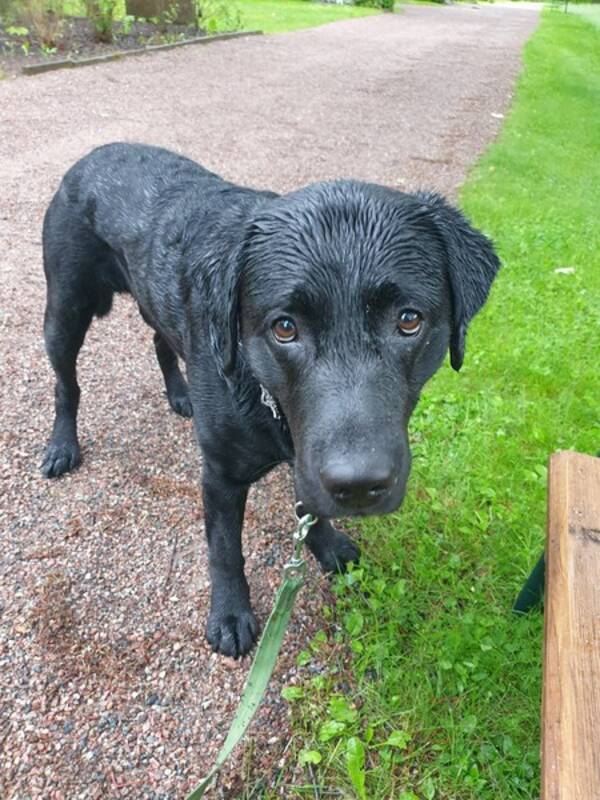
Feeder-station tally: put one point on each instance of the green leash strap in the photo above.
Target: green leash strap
(266, 654)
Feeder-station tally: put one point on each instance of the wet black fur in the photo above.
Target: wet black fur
(212, 266)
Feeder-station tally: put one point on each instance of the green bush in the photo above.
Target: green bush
(387, 5)
(218, 16)
(42, 17)
(102, 13)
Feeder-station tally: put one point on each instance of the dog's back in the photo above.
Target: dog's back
(116, 189)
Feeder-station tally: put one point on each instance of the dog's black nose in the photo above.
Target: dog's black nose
(357, 485)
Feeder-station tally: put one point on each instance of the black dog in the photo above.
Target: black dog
(308, 324)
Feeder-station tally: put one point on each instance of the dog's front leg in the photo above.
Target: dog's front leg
(333, 549)
(232, 627)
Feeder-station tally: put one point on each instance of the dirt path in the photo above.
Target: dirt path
(107, 688)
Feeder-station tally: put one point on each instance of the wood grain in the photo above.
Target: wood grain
(571, 694)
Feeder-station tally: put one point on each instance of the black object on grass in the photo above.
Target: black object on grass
(533, 589)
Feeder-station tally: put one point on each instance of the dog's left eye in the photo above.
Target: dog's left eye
(285, 330)
(409, 322)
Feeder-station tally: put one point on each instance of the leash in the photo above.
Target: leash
(267, 651)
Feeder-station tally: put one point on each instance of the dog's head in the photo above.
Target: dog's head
(346, 299)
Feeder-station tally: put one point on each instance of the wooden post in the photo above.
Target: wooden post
(571, 694)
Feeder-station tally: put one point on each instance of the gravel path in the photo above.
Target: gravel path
(107, 688)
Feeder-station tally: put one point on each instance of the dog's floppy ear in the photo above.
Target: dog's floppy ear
(472, 267)
(218, 280)
(223, 284)
(230, 323)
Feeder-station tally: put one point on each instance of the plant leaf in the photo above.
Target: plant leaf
(330, 730)
(309, 757)
(355, 762)
(399, 739)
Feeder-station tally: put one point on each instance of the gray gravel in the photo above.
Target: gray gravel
(107, 688)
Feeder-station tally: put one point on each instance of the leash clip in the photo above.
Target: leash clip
(296, 566)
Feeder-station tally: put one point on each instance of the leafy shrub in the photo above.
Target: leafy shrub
(127, 23)
(387, 5)
(102, 15)
(218, 16)
(44, 18)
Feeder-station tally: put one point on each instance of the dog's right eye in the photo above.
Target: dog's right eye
(285, 330)
(409, 322)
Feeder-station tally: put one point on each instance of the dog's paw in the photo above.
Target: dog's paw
(232, 634)
(60, 458)
(335, 551)
(180, 403)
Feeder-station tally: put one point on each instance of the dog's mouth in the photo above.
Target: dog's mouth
(329, 509)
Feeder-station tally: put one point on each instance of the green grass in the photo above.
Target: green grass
(587, 10)
(278, 16)
(441, 696)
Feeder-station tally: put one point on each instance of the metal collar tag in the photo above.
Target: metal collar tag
(267, 399)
